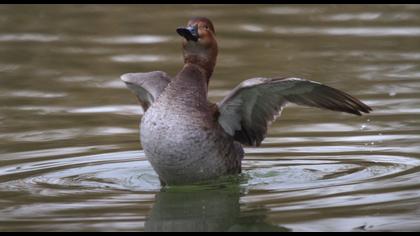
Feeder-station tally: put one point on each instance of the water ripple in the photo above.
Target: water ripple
(28, 37)
(124, 179)
(286, 10)
(130, 171)
(117, 109)
(350, 31)
(366, 16)
(135, 39)
(138, 58)
(31, 94)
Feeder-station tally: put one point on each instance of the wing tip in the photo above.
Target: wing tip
(361, 109)
(127, 77)
(364, 108)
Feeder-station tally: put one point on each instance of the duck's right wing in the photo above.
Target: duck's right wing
(146, 86)
(246, 112)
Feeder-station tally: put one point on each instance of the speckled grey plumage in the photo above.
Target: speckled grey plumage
(181, 136)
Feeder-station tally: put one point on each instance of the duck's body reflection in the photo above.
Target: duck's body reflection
(216, 209)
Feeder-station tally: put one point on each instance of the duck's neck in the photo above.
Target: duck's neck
(193, 76)
(189, 87)
(206, 65)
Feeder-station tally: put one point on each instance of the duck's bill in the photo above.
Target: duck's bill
(189, 33)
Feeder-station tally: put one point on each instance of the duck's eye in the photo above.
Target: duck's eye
(206, 27)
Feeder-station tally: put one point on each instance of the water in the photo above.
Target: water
(70, 157)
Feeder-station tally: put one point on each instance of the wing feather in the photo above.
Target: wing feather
(246, 112)
(146, 86)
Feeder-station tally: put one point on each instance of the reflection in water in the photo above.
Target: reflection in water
(203, 210)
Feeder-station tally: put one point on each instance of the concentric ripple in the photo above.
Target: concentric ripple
(117, 171)
(112, 180)
(131, 171)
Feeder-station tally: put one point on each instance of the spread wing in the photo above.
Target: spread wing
(146, 86)
(246, 112)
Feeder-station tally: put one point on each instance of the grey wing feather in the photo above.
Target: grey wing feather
(246, 112)
(146, 86)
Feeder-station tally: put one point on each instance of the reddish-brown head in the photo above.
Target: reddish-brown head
(199, 43)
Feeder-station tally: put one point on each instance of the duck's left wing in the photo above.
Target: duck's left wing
(246, 112)
(146, 86)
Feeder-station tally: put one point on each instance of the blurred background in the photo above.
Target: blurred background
(70, 157)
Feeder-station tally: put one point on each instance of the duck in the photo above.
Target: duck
(187, 139)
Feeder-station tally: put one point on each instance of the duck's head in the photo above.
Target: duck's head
(199, 43)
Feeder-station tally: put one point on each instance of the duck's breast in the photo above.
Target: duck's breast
(184, 144)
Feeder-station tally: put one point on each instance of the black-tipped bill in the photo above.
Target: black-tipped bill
(189, 33)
